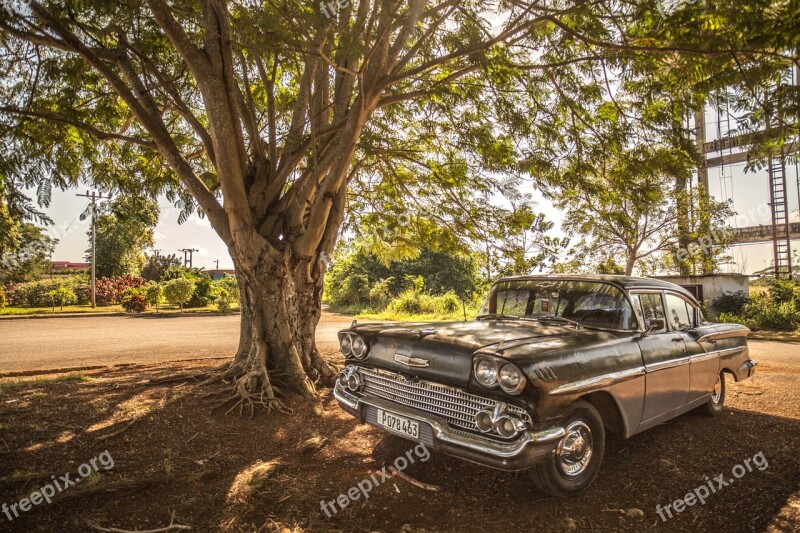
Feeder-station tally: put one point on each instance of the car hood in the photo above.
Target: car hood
(442, 351)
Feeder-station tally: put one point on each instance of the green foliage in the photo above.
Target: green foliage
(3, 299)
(178, 291)
(134, 300)
(203, 292)
(156, 266)
(154, 294)
(731, 303)
(62, 295)
(226, 293)
(29, 260)
(123, 234)
(777, 309)
(358, 278)
(38, 293)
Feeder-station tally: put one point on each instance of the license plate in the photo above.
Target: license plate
(398, 424)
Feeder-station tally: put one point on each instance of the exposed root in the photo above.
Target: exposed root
(123, 429)
(171, 527)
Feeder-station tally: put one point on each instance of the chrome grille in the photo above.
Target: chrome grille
(453, 406)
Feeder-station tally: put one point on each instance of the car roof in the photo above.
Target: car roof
(624, 282)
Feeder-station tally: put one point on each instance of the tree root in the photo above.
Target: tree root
(171, 527)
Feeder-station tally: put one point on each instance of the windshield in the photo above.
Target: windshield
(587, 303)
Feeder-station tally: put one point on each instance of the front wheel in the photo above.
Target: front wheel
(578, 456)
(716, 402)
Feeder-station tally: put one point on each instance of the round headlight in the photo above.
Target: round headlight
(511, 379)
(346, 344)
(486, 372)
(359, 348)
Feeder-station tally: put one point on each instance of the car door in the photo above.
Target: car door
(665, 362)
(703, 367)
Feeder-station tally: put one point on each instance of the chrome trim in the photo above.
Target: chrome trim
(700, 357)
(598, 382)
(730, 351)
(717, 335)
(453, 406)
(747, 365)
(502, 450)
(411, 361)
(663, 365)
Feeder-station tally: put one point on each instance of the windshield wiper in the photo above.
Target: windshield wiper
(558, 319)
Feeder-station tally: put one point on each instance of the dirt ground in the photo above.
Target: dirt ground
(176, 460)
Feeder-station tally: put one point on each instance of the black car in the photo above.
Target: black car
(549, 366)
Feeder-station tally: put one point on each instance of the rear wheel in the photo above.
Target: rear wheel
(716, 402)
(578, 456)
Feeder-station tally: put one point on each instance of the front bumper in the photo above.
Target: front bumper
(529, 449)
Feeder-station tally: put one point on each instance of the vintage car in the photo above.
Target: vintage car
(549, 366)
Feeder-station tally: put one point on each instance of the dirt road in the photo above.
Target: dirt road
(49, 343)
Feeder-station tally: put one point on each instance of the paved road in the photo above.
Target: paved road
(49, 343)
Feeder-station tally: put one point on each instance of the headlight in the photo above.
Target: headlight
(346, 344)
(486, 372)
(359, 348)
(511, 379)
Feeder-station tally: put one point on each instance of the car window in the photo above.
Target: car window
(515, 302)
(652, 309)
(678, 313)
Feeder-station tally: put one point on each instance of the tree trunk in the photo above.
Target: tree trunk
(280, 295)
(630, 263)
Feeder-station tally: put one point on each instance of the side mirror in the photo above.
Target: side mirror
(654, 325)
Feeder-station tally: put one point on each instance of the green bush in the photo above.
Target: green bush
(154, 294)
(226, 292)
(178, 291)
(62, 296)
(38, 293)
(447, 304)
(134, 301)
(203, 293)
(3, 300)
(764, 313)
(412, 302)
(731, 302)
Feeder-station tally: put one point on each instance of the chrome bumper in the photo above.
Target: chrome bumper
(529, 449)
(746, 370)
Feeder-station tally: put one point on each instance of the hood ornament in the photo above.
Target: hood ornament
(423, 332)
(417, 362)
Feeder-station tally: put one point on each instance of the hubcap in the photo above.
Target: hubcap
(575, 449)
(717, 394)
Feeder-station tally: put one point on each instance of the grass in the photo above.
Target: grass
(9, 386)
(22, 311)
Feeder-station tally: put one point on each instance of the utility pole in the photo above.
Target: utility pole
(217, 262)
(187, 256)
(94, 196)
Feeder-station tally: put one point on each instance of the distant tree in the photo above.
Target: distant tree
(156, 266)
(178, 291)
(226, 293)
(154, 294)
(30, 258)
(62, 295)
(123, 234)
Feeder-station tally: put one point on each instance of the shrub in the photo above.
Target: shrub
(9, 293)
(412, 302)
(447, 303)
(3, 299)
(785, 291)
(178, 291)
(764, 313)
(134, 301)
(226, 292)
(154, 294)
(203, 293)
(109, 291)
(61, 295)
(731, 302)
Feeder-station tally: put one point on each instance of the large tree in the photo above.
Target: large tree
(264, 116)
(125, 228)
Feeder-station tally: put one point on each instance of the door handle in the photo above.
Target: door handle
(677, 339)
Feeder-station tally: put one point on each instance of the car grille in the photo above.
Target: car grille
(453, 406)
